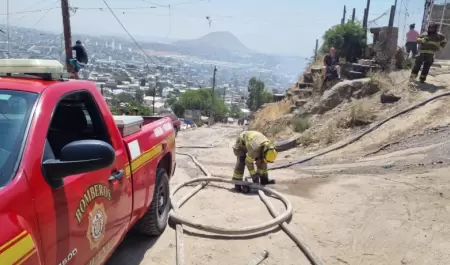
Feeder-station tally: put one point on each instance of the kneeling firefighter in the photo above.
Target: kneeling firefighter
(253, 147)
(429, 43)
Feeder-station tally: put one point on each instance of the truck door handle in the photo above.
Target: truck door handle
(116, 175)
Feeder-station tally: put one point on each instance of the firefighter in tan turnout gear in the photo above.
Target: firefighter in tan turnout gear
(251, 148)
(429, 43)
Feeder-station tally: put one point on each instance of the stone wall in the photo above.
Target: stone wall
(385, 45)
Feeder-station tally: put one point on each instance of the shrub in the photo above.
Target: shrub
(300, 124)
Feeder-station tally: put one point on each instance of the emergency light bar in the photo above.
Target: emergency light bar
(47, 69)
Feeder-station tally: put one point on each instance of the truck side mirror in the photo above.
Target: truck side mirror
(78, 157)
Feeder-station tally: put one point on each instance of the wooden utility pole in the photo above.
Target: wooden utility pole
(368, 10)
(316, 50)
(392, 17)
(211, 118)
(366, 15)
(364, 23)
(353, 14)
(154, 94)
(67, 33)
(343, 15)
(8, 36)
(443, 15)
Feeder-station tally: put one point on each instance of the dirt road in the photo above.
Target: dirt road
(376, 215)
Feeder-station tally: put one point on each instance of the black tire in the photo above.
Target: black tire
(154, 221)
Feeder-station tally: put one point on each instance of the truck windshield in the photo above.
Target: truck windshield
(15, 112)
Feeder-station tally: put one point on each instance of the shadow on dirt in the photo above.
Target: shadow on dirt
(301, 187)
(132, 250)
(428, 87)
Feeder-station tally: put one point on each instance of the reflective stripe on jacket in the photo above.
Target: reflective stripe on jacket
(430, 44)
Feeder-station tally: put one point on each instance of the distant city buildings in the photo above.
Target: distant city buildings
(117, 68)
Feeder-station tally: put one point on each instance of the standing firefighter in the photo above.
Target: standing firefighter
(430, 43)
(251, 147)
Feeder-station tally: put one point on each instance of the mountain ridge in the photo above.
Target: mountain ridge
(219, 40)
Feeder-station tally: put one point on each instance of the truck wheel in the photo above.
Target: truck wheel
(154, 220)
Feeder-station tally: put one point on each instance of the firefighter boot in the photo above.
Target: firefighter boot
(256, 179)
(422, 78)
(237, 187)
(246, 188)
(265, 180)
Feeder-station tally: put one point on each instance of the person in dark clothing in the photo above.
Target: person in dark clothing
(81, 54)
(331, 65)
(81, 57)
(430, 42)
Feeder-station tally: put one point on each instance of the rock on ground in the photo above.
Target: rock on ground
(345, 90)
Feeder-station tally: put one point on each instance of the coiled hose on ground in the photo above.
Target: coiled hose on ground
(279, 219)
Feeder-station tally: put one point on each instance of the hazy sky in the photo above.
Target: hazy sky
(283, 26)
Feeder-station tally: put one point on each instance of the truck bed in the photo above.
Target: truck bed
(149, 119)
(128, 125)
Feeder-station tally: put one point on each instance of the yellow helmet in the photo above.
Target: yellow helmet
(270, 153)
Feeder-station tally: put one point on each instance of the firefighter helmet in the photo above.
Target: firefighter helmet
(433, 25)
(270, 153)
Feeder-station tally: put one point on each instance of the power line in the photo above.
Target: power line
(242, 21)
(174, 4)
(37, 3)
(380, 16)
(83, 8)
(151, 3)
(125, 29)
(30, 11)
(43, 16)
(406, 6)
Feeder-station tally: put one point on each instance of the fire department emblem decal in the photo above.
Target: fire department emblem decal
(96, 225)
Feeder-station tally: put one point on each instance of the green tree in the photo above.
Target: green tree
(347, 39)
(178, 108)
(171, 101)
(121, 77)
(200, 100)
(125, 97)
(236, 112)
(149, 92)
(114, 110)
(139, 96)
(258, 94)
(141, 109)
